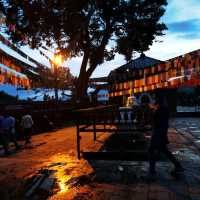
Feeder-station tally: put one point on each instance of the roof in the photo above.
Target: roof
(99, 79)
(14, 54)
(139, 63)
(8, 69)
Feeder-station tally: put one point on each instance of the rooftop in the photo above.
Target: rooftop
(139, 63)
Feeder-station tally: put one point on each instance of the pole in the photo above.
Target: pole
(56, 82)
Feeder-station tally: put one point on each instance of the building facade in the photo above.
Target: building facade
(144, 75)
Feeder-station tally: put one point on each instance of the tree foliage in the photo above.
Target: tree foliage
(63, 76)
(94, 29)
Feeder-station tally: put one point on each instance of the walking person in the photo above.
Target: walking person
(159, 139)
(8, 132)
(27, 125)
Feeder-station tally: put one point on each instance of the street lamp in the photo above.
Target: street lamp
(57, 61)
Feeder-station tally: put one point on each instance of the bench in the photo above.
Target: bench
(102, 119)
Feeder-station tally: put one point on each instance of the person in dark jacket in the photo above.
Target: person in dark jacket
(3, 138)
(159, 139)
(8, 132)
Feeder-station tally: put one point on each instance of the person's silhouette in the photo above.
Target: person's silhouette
(159, 139)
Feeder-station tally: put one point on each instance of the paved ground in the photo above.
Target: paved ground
(104, 180)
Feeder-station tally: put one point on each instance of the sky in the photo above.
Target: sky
(182, 18)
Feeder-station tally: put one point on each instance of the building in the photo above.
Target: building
(145, 75)
(16, 67)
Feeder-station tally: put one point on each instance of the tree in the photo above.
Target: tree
(93, 29)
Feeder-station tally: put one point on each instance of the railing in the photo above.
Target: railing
(104, 119)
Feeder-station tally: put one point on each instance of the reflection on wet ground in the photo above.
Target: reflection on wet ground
(66, 171)
(127, 179)
(115, 179)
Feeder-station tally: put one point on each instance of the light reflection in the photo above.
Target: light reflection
(62, 179)
(66, 168)
(61, 163)
(62, 185)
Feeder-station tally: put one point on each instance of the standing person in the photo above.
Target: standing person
(8, 128)
(27, 124)
(159, 139)
(3, 138)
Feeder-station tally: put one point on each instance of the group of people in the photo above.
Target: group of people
(8, 130)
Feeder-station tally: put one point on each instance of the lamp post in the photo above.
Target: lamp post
(56, 62)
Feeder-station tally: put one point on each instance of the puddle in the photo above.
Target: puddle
(48, 181)
(60, 163)
(61, 179)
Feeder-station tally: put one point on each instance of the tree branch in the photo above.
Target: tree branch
(84, 62)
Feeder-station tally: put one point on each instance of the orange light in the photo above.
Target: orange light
(58, 59)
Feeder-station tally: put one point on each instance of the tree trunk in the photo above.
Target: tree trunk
(82, 82)
(83, 79)
(81, 87)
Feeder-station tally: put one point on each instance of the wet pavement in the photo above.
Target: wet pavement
(53, 156)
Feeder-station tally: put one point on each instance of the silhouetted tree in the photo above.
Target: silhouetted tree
(93, 29)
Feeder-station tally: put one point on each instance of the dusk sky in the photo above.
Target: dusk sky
(183, 35)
